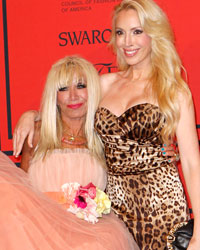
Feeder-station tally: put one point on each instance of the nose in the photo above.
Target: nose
(72, 93)
(128, 40)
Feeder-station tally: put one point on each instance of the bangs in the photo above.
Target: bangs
(68, 73)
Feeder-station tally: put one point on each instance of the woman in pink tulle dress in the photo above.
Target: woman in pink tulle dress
(65, 149)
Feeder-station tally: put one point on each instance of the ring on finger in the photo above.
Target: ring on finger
(177, 158)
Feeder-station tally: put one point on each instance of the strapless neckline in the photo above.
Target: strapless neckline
(128, 110)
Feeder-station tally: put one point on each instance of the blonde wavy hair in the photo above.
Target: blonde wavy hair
(166, 76)
(61, 75)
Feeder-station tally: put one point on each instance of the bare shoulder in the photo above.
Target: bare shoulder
(106, 80)
(185, 98)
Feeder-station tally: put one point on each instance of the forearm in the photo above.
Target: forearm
(192, 179)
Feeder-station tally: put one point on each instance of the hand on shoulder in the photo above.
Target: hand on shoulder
(24, 128)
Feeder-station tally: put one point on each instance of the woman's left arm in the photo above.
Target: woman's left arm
(190, 161)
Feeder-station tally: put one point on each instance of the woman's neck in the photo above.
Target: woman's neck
(138, 73)
(73, 135)
(73, 126)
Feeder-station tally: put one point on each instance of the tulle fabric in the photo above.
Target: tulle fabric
(67, 165)
(32, 221)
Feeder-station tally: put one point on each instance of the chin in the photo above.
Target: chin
(78, 115)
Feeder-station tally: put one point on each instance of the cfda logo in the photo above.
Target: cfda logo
(104, 68)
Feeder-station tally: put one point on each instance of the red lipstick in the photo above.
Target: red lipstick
(74, 106)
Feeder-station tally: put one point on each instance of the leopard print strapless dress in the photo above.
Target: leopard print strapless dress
(145, 189)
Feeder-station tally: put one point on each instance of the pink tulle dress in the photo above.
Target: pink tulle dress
(32, 221)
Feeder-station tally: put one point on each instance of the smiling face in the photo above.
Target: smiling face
(132, 43)
(72, 100)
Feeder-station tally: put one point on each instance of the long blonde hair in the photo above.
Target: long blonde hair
(61, 75)
(166, 76)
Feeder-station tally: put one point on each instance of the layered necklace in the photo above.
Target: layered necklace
(73, 139)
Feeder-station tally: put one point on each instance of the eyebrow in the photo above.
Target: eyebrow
(134, 28)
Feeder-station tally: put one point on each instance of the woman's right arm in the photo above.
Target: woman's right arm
(27, 151)
(24, 128)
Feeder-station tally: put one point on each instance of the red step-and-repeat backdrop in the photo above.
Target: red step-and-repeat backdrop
(34, 34)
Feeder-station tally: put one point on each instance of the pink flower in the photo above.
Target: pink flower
(89, 189)
(80, 201)
(87, 202)
(92, 192)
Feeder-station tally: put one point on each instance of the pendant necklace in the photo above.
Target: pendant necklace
(73, 139)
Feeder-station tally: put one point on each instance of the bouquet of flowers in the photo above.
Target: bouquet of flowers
(88, 203)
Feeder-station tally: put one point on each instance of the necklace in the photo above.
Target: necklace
(77, 142)
(73, 139)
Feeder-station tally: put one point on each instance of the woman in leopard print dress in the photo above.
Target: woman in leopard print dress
(145, 104)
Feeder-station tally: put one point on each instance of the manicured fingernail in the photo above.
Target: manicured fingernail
(165, 145)
(164, 153)
(169, 161)
(162, 149)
